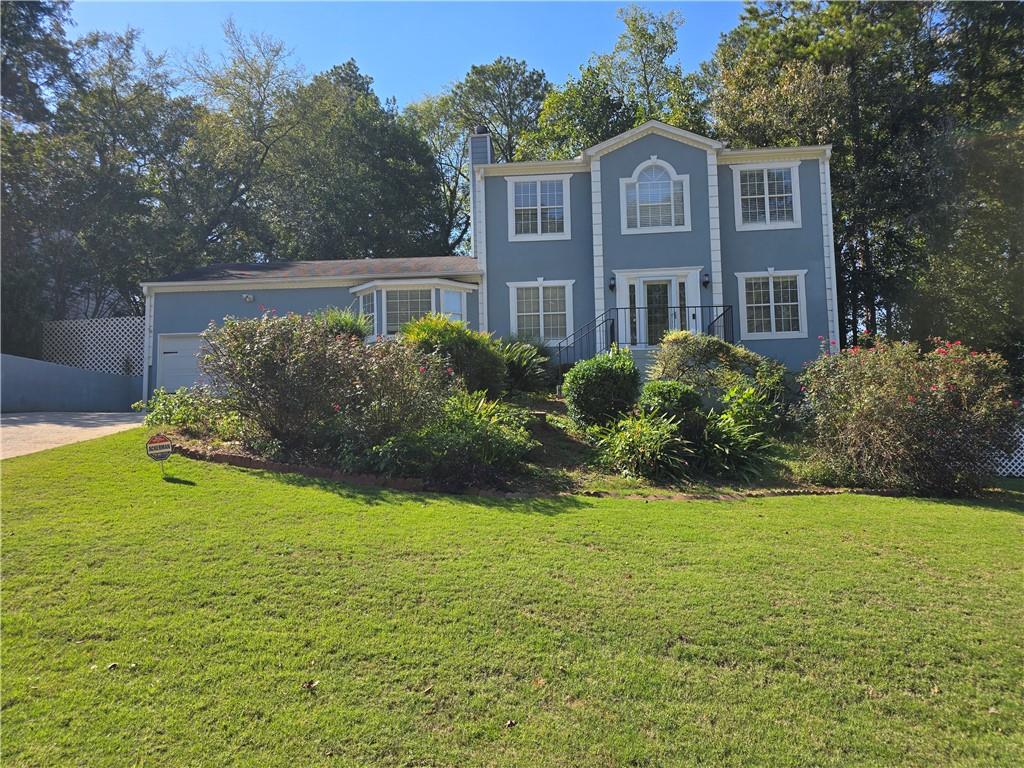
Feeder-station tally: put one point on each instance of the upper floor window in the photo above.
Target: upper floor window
(538, 207)
(772, 305)
(767, 196)
(655, 199)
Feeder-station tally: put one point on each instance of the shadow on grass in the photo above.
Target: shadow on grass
(177, 480)
(372, 495)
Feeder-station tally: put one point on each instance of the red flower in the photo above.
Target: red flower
(336, 407)
(450, 371)
(833, 342)
(1016, 403)
(423, 369)
(911, 399)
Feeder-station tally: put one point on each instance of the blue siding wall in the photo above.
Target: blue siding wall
(664, 249)
(507, 262)
(36, 385)
(756, 250)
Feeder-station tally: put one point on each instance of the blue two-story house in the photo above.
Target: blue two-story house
(654, 230)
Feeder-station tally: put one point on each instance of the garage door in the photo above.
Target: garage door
(177, 364)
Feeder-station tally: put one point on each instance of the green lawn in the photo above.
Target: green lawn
(829, 631)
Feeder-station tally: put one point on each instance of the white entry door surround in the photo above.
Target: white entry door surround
(654, 301)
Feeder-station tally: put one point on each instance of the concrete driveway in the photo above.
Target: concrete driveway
(22, 433)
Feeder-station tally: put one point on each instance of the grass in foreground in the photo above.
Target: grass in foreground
(841, 631)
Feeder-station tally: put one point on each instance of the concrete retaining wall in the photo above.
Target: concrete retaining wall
(35, 385)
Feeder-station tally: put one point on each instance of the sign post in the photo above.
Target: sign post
(159, 448)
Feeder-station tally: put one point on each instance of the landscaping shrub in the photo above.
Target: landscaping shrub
(472, 439)
(712, 366)
(345, 322)
(475, 356)
(893, 416)
(731, 447)
(672, 398)
(321, 396)
(647, 445)
(602, 388)
(194, 411)
(525, 365)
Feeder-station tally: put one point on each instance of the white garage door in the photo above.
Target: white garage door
(178, 365)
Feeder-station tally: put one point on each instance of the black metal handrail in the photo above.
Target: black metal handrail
(642, 326)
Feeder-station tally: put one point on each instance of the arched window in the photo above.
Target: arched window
(655, 199)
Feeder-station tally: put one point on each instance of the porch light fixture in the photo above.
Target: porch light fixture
(705, 280)
(611, 284)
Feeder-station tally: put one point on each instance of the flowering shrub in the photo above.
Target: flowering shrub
(471, 439)
(896, 417)
(601, 388)
(316, 394)
(473, 355)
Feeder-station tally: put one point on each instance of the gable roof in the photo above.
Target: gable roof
(652, 126)
(340, 269)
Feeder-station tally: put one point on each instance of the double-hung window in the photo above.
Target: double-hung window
(655, 199)
(772, 305)
(541, 311)
(538, 207)
(366, 307)
(405, 304)
(767, 197)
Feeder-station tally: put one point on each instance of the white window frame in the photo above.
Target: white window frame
(801, 288)
(462, 294)
(433, 284)
(372, 295)
(674, 177)
(541, 283)
(566, 234)
(794, 168)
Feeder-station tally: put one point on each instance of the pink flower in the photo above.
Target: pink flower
(261, 308)
(336, 407)
(833, 342)
(423, 369)
(973, 353)
(803, 389)
(450, 371)
(821, 338)
(911, 399)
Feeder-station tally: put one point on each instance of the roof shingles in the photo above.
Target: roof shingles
(342, 268)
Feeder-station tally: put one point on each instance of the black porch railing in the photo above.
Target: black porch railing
(642, 327)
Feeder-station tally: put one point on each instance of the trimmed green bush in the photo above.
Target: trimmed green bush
(472, 355)
(647, 445)
(672, 398)
(472, 439)
(731, 447)
(712, 366)
(893, 416)
(345, 322)
(602, 388)
(526, 366)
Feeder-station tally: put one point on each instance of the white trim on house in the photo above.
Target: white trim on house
(534, 167)
(771, 272)
(687, 224)
(147, 343)
(714, 217)
(478, 222)
(565, 234)
(251, 284)
(688, 276)
(775, 154)
(651, 126)
(794, 168)
(541, 283)
(831, 289)
(413, 282)
(598, 236)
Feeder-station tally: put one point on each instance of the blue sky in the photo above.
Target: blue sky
(410, 49)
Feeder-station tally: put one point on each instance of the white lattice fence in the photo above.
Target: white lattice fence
(107, 344)
(1012, 463)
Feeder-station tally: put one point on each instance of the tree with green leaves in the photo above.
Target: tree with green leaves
(350, 180)
(36, 57)
(581, 113)
(505, 96)
(436, 120)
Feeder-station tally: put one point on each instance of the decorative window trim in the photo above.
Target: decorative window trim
(801, 287)
(541, 283)
(794, 167)
(464, 310)
(510, 204)
(684, 178)
(432, 284)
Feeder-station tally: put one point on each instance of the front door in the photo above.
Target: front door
(658, 320)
